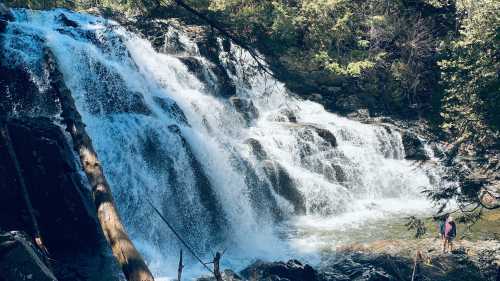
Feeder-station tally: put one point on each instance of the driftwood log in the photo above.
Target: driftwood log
(130, 260)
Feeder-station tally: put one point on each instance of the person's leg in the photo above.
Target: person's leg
(445, 245)
(451, 244)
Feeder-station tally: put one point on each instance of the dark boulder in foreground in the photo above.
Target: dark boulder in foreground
(61, 202)
(293, 270)
(21, 260)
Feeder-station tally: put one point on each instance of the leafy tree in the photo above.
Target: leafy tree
(470, 73)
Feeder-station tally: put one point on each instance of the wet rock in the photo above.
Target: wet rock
(335, 173)
(284, 185)
(306, 132)
(20, 260)
(227, 275)
(172, 108)
(164, 35)
(210, 49)
(5, 16)
(293, 270)
(362, 115)
(62, 18)
(194, 65)
(326, 135)
(286, 115)
(205, 189)
(414, 147)
(205, 73)
(245, 107)
(257, 149)
(134, 103)
(172, 44)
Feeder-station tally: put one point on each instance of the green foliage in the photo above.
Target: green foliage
(381, 49)
(470, 73)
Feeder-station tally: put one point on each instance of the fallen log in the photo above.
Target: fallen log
(130, 260)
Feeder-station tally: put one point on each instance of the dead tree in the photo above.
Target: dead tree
(130, 260)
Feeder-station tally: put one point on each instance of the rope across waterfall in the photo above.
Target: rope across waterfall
(188, 246)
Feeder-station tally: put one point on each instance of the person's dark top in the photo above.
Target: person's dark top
(450, 230)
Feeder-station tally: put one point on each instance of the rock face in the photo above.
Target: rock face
(62, 204)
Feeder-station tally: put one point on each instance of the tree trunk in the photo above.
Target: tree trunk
(130, 260)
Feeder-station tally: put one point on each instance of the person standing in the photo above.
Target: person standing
(442, 223)
(450, 232)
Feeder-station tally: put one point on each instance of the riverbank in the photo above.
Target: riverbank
(388, 260)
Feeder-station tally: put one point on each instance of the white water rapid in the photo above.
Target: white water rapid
(260, 174)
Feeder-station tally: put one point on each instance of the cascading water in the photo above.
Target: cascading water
(257, 173)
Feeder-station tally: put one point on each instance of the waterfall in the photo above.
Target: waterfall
(248, 172)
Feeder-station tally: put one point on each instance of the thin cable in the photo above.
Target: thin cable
(177, 235)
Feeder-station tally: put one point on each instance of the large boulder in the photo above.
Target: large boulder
(293, 270)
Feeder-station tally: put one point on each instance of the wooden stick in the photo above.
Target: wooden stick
(130, 260)
(181, 266)
(217, 274)
(418, 256)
